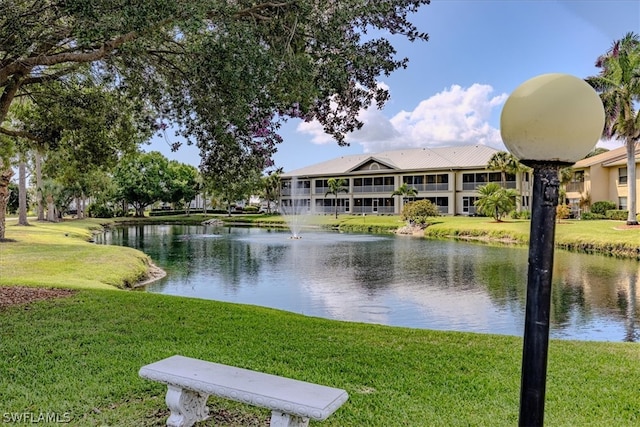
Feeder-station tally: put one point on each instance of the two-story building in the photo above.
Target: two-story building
(601, 177)
(447, 176)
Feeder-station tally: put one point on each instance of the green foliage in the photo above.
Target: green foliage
(405, 190)
(183, 184)
(12, 203)
(419, 211)
(588, 216)
(601, 207)
(95, 210)
(495, 201)
(142, 179)
(270, 187)
(216, 68)
(520, 215)
(506, 163)
(619, 89)
(616, 214)
(336, 185)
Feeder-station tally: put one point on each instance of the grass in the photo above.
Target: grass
(46, 254)
(80, 355)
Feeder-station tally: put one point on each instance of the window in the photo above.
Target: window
(622, 176)
(578, 176)
(438, 179)
(413, 179)
(622, 203)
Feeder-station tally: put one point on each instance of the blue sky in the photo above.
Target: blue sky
(453, 91)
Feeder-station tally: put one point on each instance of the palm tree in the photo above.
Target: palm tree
(496, 201)
(619, 87)
(336, 185)
(405, 191)
(504, 163)
(271, 187)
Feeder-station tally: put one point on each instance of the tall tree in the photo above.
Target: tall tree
(336, 185)
(503, 162)
(142, 179)
(183, 184)
(214, 67)
(619, 86)
(271, 187)
(22, 188)
(6, 172)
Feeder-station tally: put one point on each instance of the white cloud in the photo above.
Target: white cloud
(455, 116)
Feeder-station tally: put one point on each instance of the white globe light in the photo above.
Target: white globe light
(552, 117)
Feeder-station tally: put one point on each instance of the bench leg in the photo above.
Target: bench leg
(280, 419)
(187, 407)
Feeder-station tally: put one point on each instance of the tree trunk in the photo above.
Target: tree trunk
(40, 205)
(5, 178)
(51, 209)
(22, 191)
(631, 183)
(204, 202)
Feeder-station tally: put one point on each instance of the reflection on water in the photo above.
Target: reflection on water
(396, 281)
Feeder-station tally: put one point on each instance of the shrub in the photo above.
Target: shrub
(601, 207)
(617, 214)
(100, 211)
(591, 216)
(419, 211)
(520, 215)
(563, 211)
(251, 209)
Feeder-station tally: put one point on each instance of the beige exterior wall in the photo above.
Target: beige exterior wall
(602, 181)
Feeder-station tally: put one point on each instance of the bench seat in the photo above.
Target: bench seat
(191, 381)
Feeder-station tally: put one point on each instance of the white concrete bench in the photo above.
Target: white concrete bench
(192, 381)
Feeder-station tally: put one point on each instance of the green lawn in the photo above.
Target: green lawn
(80, 355)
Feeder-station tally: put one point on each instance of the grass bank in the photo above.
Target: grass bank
(47, 254)
(602, 237)
(80, 355)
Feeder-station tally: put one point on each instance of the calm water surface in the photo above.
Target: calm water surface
(398, 281)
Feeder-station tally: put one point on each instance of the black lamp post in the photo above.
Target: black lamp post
(548, 122)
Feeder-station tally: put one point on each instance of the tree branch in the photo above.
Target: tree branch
(20, 134)
(77, 57)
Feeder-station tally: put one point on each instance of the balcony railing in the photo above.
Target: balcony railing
(372, 209)
(374, 188)
(575, 187)
(330, 210)
(295, 191)
(474, 185)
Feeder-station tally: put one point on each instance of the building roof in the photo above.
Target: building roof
(615, 157)
(443, 158)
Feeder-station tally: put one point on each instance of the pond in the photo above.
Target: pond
(384, 279)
